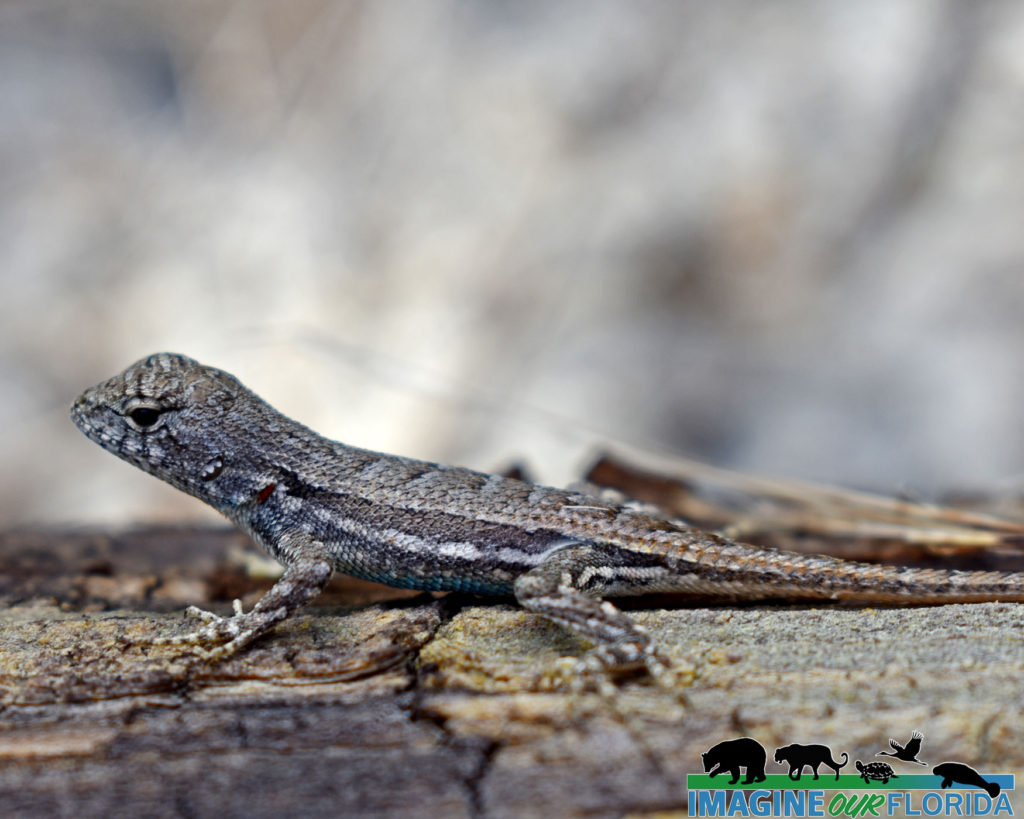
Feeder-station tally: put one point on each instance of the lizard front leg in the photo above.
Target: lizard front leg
(566, 588)
(308, 570)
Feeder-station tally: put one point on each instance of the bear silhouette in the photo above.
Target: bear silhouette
(812, 756)
(734, 754)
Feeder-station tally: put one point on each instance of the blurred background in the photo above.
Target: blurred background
(785, 237)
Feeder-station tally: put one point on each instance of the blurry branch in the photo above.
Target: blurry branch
(798, 514)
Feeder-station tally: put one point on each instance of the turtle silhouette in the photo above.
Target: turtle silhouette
(908, 752)
(876, 770)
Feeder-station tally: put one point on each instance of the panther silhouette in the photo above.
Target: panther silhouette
(812, 756)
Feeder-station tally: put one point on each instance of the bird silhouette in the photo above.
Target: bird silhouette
(908, 752)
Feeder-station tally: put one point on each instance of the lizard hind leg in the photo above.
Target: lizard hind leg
(566, 589)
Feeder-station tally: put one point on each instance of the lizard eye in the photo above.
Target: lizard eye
(144, 417)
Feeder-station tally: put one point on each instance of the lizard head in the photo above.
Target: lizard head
(177, 419)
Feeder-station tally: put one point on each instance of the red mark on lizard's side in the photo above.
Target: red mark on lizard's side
(265, 492)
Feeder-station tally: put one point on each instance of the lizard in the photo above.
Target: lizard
(319, 506)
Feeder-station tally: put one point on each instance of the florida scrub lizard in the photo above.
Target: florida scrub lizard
(319, 506)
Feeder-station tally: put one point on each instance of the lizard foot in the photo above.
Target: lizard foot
(598, 668)
(304, 578)
(232, 633)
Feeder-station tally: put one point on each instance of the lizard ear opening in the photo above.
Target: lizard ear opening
(212, 390)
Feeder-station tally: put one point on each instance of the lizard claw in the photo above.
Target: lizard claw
(202, 614)
(208, 633)
(233, 632)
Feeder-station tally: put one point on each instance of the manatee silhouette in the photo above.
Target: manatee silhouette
(965, 775)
